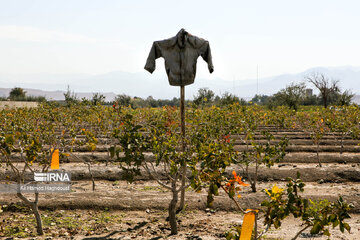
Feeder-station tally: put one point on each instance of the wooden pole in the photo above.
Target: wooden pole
(182, 113)
(183, 177)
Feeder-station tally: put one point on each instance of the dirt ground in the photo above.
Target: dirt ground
(142, 195)
(15, 104)
(152, 224)
(330, 172)
(119, 210)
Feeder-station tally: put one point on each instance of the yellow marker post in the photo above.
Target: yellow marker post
(55, 159)
(248, 224)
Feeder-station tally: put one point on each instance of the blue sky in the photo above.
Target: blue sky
(99, 36)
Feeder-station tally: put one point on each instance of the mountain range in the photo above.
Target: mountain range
(143, 84)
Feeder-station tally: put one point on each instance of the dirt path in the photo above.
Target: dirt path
(330, 172)
(152, 224)
(144, 195)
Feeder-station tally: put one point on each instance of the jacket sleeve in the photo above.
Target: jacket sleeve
(155, 53)
(205, 53)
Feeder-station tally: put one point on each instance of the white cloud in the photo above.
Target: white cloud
(32, 34)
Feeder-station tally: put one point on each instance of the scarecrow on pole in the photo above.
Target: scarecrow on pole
(180, 53)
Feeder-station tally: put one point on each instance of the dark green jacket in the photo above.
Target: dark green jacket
(180, 53)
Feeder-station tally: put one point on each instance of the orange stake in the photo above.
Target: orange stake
(55, 159)
(248, 224)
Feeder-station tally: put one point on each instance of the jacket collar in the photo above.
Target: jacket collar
(181, 38)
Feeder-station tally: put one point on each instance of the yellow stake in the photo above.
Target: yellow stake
(248, 224)
(55, 159)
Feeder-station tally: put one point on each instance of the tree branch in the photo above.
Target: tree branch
(296, 236)
(157, 180)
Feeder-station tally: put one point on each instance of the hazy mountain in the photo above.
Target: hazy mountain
(356, 99)
(134, 84)
(143, 84)
(349, 78)
(56, 95)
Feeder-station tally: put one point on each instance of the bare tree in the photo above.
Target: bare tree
(323, 84)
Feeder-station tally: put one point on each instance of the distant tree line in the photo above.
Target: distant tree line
(204, 97)
(121, 100)
(19, 94)
(293, 96)
(296, 94)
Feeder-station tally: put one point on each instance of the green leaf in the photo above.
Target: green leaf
(231, 193)
(342, 228)
(316, 228)
(209, 200)
(112, 151)
(306, 203)
(277, 223)
(347, 227)
(214, 189)
(332, 218)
